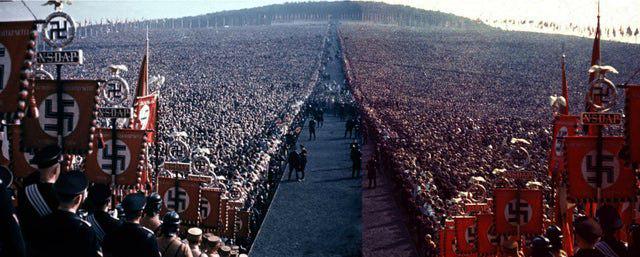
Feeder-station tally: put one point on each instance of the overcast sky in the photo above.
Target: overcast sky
(614, 12)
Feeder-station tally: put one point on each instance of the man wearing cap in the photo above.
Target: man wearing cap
(151, 216)
(12, 242)
(63, 232)
(101, 222)
(131, 238)
(554, 234)
(611, 223)
(194, 237)
(38, 199)
(587, 233)
(168, 241)
(211, 244)
(225, 251)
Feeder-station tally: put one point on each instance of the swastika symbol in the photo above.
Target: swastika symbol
(70, 115)
(205, 208)
(610, 169)
(511, 212)
(179, 202)
(115, 90)
(122, 155)
(601, 93)
(5, 66)
(58, 29)
(559, 147)
(470, 234)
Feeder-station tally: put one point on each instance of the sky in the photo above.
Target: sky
(582, 12)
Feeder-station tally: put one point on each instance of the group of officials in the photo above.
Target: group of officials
(50, 219)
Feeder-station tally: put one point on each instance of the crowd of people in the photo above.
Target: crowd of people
(442, 106)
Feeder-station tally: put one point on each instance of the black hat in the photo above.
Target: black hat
(154, 202)
(609, 218)
(171, 218)
(6, 177)
(540, 243)
(47, 156)
(587, 228)
(134, 203)
(99, 194)
(553, 232)
(71, 183)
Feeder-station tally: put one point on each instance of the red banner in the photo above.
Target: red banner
(465, 234)
(145, 114)
(78, 101)
(19, 165)
(618, 183)
(127, 154)
(232, 218)
(183, 198)
(477, 207)
(244, 224)
(210, 207)
(15, 47)
(632, 122)
(487, 238)
(447, 239)
(515, 208)
(563, 126)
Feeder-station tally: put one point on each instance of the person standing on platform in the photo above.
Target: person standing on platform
(131, 238)
(294, 160)
(372, 167)
(312, 129)
(302, 162)
(38, 199)
(356, 163)
(63, 232)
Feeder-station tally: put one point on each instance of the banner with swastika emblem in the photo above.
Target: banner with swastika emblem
(617, 182)
(447, 240)
(244, 224)
(183, 198)
(515, 208)
(488, 240)
(465, 234)
(632, 122)
(210, 212)
(563, 126)
(78, 106)
(14, 47)
(127, 154)
(20, 161)
(145, 114)
(232, 215)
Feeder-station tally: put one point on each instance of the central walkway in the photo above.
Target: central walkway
(320, 216)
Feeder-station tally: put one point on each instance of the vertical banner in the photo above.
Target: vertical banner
(244, 224)
(20, 161)
(232, 218)
(632, 122)
(465, 234)
(145, 114)
(618, 182)
(185, 200)
(128, 155)
(15, 47)
(487, 238)
(515, 208)
(563, 126)
(79, 103)
(210, 207)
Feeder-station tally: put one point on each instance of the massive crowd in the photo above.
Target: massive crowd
(443, 105)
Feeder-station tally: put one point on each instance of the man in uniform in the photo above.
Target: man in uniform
(293, 160)
(302, 162)
(312, 129)
(194, 237)
(211, 244)
(38, 199)
(169, 242)
(63, 232)
(11, 240)
(130, 238)
(151, 216)
(611, 223)
(356, 162)
(101, 222)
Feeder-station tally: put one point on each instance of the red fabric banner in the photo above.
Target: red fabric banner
(128, 153)
(515, 207)
(487, 237)
(563, 126)
(145, 114)
(632, 122)
(618, 183)
(15, 38)
(465, 234)
(184, 198)
(211, 202)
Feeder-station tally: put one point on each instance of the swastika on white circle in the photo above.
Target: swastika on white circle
(610, 169)
(5, 66)
(176, 201)
(122, 156)
(517, 216)
(205, 208)
(49, 115)
(144, 116)
(470, 234)
(559, 147)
